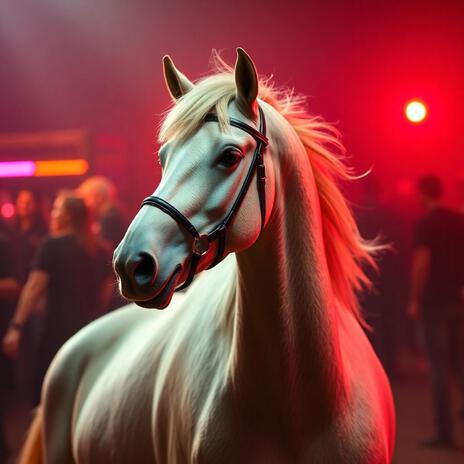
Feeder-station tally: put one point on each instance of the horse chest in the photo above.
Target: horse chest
(135, 434)
(237, 431)
(114, 425)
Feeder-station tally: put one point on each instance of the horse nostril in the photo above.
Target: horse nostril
(145, 270)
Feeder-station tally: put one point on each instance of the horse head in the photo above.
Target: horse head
(211, 192)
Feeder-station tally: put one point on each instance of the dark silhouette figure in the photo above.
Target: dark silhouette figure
(436, 299)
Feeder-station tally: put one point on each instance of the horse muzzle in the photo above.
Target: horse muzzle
(136, 273)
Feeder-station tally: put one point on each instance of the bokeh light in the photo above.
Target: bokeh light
(7, 210)
(416, 111)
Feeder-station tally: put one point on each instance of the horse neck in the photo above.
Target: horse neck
(286, 329)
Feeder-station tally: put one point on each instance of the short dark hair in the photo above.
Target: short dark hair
(430, 186)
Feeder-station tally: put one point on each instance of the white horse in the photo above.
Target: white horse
(263, 359)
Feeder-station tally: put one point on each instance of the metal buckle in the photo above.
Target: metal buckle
(200, 245)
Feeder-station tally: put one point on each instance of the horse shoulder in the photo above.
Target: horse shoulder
(63, 377)
(370, 418)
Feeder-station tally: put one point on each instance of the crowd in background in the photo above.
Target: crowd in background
(55, 278)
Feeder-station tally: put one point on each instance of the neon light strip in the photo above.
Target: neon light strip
(44, 168)
(76, 167)
(17, 169)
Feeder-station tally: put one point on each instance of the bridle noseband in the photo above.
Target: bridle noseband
(202, 242)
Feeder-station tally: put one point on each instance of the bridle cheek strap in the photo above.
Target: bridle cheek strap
(201, 243)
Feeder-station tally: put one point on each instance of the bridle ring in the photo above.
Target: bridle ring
(200, 245)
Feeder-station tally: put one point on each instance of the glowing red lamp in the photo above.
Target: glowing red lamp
(7, 210)
(416, 111)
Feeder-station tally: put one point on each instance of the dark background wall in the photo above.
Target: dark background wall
(97, 65)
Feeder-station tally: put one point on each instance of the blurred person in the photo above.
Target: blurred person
(100, 196)
(72, 268)
(9, 291)
(27, 232)
(436, 299)
(29, 229)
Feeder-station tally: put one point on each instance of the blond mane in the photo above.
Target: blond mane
(346, 251)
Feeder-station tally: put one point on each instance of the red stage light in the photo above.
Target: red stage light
(7, 210)
(416, 111)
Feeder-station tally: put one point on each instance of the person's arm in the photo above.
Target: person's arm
(420, 270)
(9, 288)
(33, 291)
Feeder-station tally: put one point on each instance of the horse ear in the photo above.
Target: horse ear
(176, 82)
(246, 81)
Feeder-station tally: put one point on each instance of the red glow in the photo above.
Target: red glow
(7, 210)
(416, 111)
(404, 187)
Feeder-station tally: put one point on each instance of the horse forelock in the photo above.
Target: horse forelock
(346, 251)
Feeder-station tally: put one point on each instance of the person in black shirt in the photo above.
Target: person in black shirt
(436, 298)
(73, 269)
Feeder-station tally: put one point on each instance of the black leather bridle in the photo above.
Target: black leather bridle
(202, 242)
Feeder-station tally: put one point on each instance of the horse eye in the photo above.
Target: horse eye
(230, 157)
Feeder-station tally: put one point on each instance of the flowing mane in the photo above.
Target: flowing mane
(346, 251)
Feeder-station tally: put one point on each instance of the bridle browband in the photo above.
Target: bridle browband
(201, 243)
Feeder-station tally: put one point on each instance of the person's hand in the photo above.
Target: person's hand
(413, 310)
(11, 342)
